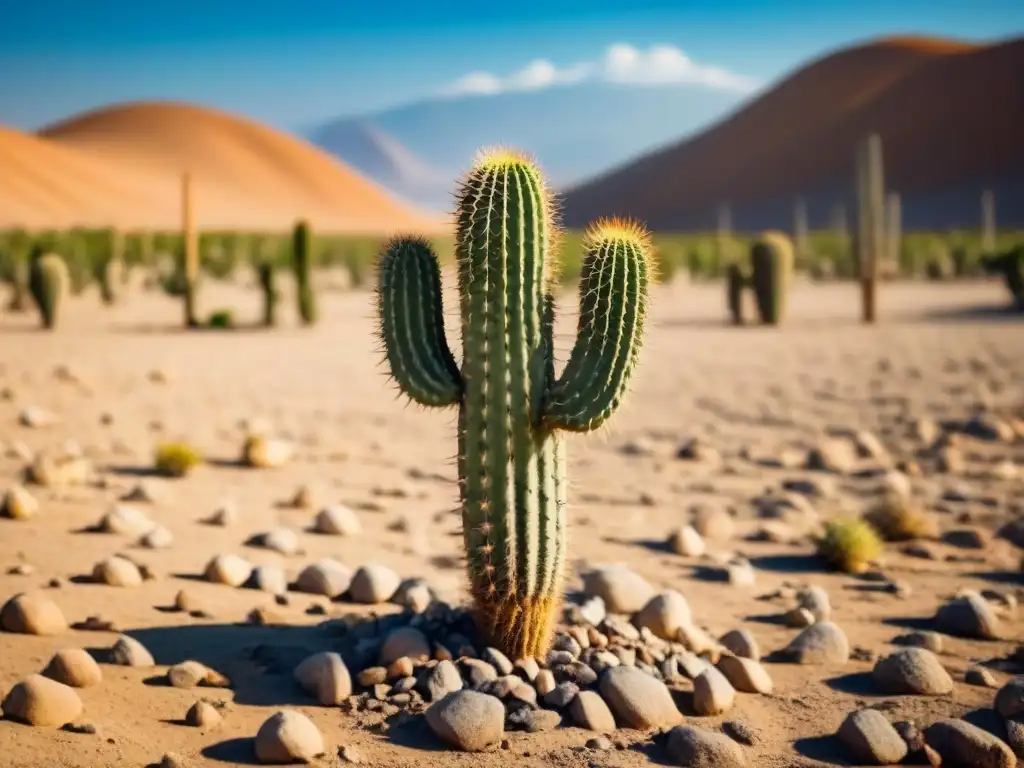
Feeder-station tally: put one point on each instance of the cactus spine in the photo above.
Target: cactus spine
(871, 222)
(190, 254)
(512, 409)
(49, 282)
(300, 262)
(771, 268)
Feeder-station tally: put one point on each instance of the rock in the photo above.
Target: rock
(270, 579)
(192, 674)
(338, 520)
(202, 714)
(442, 680)
(969, 616)
(414, 595)
(468, 720)
(713, 694)
(959, 743)
(129, 652)
(74, 667)
(325, 676)
(745, 675)
(798, 618)
(225, 515)
(741, 643)
(1009, 701)
(740, 732)
(981, 677)
(266, 452)
(284, 541)
(146, 492)
(965, 538)
(407, 641)
(545, 682)
(871, 739)
(698, 748)
(231, 570)
(696, 449)
(1015, 737)
(30, 613)
(325, 577)
(695, 639)
(34, 416)
(19, 504)
(1013, 532)
(912, 671)
(172, 760)
(664, 614)
(714, 523)
(157, 537)
(869, 446)
(621, 589)
(374, 584)
(833, 455)
(637, 699)
(288, 736)
(823, 642)
(599, 743)
(59, 471)
(931, 641)
(588, 710)
(815, 600)
(117, 571)
(686, 541)
(40, 701)
(740, 574)
(123, 519)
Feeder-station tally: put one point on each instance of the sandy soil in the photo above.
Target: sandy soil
(751, 391)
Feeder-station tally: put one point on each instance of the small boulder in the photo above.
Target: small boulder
(1009, 701)
(699, 748)
(588, 710)
(203, 714)
(117, 571)
(621, 589)
(19, 504)
(373, 584)
(959, 743)
(713, 694)
(745, 675)
(127, 520)
(325, 676)
(338, 520)
(686, 541)
(969, 615)
(741, 643)
(74, 667)
(288, 736)
(823, 642)
(468, 720)
(40, 701)
(912, 671)
(129, 652)
(325, 577)
(31, 613)
(664, 614)
(231, 570)
(871, 738)
(637, 699)
(408, 642)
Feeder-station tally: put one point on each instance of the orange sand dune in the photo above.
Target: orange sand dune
(950, 116)
(122, 165)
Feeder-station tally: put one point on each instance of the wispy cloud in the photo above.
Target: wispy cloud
(621, 63)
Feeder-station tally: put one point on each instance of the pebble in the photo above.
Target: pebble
(373, 584)
(442, 680)
(284, 541)
(798, 618)
(338, 520)
(981, 677)
(745, 675)
(621, 589)
(931, 641)
(969, 616)
(231, 570)
(225, 515)
(288, 736)
(599, 743)
(699, 748)
(959, 743)
(267, 452)
(741, 643)
(741, 574)
(325, 577)
(468, 720)
(713, 694)
(664, 615)
(172, 760)
(270, 579)
(815, 600)
(588, 710)
(714, 523)
(686, 541)
(871, 739)
(123, 519)
(31, 613)
(912, 671)
(203, 714)
(157, 537)
(637, 699)
(117, 571)
(740, 733)
(561, 695)
(191, 674)
(1009, 701)
(407, 641)
(40, 701)
(129, 652)
(821, 643)
(833, 455)
(74, 667)
(19, 504)
(325, 677)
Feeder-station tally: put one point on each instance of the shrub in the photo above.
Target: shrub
(899, 519)
(849, 545)
(176, 459)
(222, 318)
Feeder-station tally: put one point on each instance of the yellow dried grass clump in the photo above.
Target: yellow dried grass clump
(849, 545)
(176, 459)
(899, 519)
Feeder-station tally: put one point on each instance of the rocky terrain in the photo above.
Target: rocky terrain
(298, 595)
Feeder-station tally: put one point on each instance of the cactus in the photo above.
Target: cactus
(736, 283)
(267, 283)
(1011, 266)
(48, 283)
(109, 268)
(190, 253)
(871, 222)
(771, 267)
(512, 410)
(300, 263)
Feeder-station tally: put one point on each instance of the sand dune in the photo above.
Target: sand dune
(950, 116)
(122, 164)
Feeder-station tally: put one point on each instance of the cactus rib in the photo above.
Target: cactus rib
(412, 323)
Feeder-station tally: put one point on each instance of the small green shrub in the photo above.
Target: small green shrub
(849, 545)
(221, 318)
(176, 459)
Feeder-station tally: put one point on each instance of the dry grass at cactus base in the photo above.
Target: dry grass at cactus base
(899, 519)
(849, 544)
(176, 459)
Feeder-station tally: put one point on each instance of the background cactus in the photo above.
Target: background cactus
(512, 409)
(301, 247)
(48, 283)
(190, 253)
(871, 222)
(771, 269)
(269, 288)
(736, 282)
(1011, 266)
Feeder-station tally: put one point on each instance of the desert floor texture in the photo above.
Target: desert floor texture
(121, 380)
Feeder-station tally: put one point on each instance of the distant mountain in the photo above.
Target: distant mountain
(950, 116)
(575, 131)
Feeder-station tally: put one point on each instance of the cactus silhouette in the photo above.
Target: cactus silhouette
(48, 283)
(771, 267)
(512, 408)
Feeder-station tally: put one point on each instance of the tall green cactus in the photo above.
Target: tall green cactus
(736, 282)
(49, 282)
(267, 284)
(771, 268)
(301, 247)
(512, 409)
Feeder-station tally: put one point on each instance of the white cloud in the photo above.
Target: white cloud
(621, 63)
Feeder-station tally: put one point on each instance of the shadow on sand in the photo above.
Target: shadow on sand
(982, 314)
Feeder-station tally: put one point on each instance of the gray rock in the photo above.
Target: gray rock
(1009, 702)
(621, 589)
(912, 671)
(588, 710)
(442, 680)
(981, 677)
(746, 675)
(741, 643)
(1015, 736)
(969, 616)
(288, 736)
(498, 660)
(468, 720)
(561, 695)
(129, 652)
(686, 541)
(325, 676)
(637, 699)
(373, 584)
(325, 577)
(959, 743)
(406, 641)
(697, 748)
(871, 739)
(821, 643)
(815, 600)
(713, 694)
(931, 641)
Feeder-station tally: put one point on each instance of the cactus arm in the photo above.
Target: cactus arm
(613, 303)
(411, 318)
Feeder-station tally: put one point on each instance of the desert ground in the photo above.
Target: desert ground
(118, 381)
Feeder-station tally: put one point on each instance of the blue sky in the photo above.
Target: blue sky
(293, 63)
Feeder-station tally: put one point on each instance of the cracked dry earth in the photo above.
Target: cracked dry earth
(119, 381)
